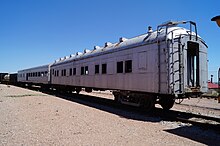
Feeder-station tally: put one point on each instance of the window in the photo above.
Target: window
(96, 69)
(53, 71)
(38, 74)
(104, 68)
(74, 71)
(70, 72)
(120, 67)
(57, 72)
(86, 70)
(128, 66)
(82, 70)
(64, 72)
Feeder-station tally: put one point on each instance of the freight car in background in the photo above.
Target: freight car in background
(13, 79)
(8, 78)
(153, 68)
(2, 75)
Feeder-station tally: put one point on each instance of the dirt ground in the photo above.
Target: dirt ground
(34, 118)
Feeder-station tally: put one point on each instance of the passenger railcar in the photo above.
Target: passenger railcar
(37, 75)
(155, 67)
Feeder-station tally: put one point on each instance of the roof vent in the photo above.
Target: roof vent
(66, 57)
(122, 39)
(150, 30)
(78, 53)
(97, 47)
(86, 51)
(72, 55)
(107, 44)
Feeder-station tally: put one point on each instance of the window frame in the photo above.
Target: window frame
(128, 66)
(58, 73)
(70, 72)
(104, 68)
(64, 72)
(120, 67)
(74, 71)
(82, 70)
(97, 69)
(86, 70)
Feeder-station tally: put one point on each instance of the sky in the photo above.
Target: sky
(37, 32)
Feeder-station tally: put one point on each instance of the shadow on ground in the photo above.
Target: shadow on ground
(196, 134)
(110, 106)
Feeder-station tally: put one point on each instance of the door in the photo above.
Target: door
(193, 77)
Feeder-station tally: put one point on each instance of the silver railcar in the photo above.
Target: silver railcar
(37, 75)
(155, 67)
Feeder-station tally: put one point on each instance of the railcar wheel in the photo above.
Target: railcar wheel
(77, 90)
(147, 104)
(117, 98)
(167, 102)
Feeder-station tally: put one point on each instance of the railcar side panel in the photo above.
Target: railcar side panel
(142, 78)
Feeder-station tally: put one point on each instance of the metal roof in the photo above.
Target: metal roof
(124, 43)
(34, 68)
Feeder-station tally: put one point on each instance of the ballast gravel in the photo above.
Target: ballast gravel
(33, 118)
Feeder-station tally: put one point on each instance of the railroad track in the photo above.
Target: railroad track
(205, 122)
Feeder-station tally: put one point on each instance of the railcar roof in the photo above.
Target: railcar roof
(34, 68)
(146, 38)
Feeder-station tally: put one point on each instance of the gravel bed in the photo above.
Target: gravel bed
(34, 118)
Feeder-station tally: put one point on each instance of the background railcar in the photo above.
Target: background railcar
(2, 75)
(37, 75)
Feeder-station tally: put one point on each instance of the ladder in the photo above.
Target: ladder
(171, 53)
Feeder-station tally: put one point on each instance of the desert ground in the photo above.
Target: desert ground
(34, 118)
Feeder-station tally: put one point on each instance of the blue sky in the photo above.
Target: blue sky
(37, 32)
